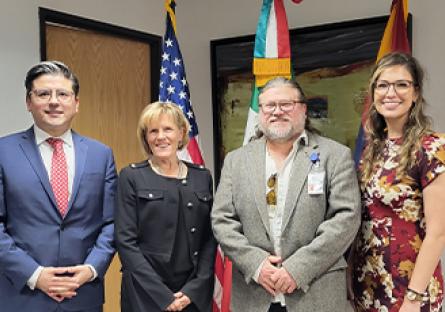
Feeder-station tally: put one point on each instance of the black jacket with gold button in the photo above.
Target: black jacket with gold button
(145, 228)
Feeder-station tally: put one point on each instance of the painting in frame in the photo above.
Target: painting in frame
(332, 63)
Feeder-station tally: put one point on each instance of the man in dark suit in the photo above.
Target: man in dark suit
(57, 193)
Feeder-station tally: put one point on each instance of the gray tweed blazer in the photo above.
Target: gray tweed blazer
(316, 229)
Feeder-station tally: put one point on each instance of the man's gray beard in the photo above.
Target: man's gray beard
(279, 135)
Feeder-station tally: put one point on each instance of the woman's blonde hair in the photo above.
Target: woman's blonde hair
(153, 112)
(415, 128)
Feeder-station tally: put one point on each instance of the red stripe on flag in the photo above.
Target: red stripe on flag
(282, 30)
(399, 32)
(225, 303)
(194, 152)
(219, 267)
(223, 274)
(215, 307)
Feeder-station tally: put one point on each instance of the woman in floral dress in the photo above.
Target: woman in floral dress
(396, 264)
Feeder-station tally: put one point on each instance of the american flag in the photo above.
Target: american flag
(173, 85)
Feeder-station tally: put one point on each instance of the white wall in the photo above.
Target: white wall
(199, 21)
(428, 47)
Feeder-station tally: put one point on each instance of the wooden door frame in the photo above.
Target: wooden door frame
(154, 41)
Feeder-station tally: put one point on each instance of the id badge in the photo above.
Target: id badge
(316, 182)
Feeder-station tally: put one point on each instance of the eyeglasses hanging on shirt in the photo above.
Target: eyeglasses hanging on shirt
(271, 196)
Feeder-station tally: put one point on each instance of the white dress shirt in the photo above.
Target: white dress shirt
(276, 212)
(46, 152)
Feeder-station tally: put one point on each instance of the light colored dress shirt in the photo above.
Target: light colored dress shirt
(276, 211)
(46, 152)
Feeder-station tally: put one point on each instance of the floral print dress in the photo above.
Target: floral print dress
(393, 228)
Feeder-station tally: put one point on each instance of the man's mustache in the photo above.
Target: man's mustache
(273, 119)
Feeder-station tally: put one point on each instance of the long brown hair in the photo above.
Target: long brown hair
(415, 128)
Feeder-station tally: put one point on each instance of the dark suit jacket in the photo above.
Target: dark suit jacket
(146, 225)
(32, 231)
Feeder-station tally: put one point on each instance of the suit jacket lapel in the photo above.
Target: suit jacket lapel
(301, 167)
(256, 164)
(80, 152)
(31, 151)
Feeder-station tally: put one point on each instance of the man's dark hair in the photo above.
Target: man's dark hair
(50, 68)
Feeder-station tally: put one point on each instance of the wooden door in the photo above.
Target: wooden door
(114, 75)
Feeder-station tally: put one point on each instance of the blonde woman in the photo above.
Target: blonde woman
(162, 222)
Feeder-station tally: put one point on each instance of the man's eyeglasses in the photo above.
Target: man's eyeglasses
(284, 106)
(44, 95)
(400, 86)
(271, 196)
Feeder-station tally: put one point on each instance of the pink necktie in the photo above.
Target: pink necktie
(59, 175)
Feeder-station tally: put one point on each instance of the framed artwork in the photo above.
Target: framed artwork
(332, 62)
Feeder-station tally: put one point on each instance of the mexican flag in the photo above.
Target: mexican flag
(271, 55)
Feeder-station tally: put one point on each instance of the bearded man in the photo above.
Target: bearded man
(286, 209)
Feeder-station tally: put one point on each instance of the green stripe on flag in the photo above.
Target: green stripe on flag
(254, 99)
(261, 31)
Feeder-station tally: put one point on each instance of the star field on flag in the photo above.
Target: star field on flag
(173, 86)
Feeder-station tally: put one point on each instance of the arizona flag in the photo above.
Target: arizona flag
(395, 39)
(272, 55)
(173, 85)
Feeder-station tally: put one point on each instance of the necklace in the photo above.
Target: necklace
(159, 170)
